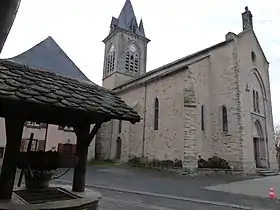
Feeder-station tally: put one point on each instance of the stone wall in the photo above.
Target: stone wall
(103, 141)
(214, 79)
(254, 75)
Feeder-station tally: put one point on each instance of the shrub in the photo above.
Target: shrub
(202, 163)
(154, 163)
(169, 163)
(213, 162)
(135, 161)
(178, 163)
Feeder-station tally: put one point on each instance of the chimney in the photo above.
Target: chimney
(247, 19)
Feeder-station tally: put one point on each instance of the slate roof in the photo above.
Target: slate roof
(18, 82)
(49, 56)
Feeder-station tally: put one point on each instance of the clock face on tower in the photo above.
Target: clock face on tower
(132, 48)
(112, 48)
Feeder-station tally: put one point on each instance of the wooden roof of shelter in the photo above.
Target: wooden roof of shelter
(44, 96)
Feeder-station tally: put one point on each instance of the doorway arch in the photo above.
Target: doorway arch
(259, 145)
(118, 148)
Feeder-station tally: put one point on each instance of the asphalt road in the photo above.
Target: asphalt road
(126, 201)
(129, 188)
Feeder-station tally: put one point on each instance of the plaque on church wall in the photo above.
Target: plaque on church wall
(189, 97)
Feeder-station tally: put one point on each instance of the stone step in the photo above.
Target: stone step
(265, 172)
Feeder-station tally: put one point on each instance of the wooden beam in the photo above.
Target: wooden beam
(93, 133)
(14, 127)
(79, 179)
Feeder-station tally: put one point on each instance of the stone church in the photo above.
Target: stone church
(213, 102)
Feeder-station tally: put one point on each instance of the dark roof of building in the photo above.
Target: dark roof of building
(47, 55)
(21, 83)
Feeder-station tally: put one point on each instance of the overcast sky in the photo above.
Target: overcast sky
(176, 28)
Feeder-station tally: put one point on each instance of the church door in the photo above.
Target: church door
(257, 152)
(119, 148)
(259, 147)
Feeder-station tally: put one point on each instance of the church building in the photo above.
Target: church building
(213, 102)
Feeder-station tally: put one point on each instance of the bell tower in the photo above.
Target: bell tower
(125, 54)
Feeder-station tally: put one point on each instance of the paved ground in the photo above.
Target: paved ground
(254, 187)
(129, 188)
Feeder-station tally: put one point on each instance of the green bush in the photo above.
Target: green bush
(213, 162)
(154, 163)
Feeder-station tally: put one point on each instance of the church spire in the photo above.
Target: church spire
(141, 28)
(127, 15)
(127, 21)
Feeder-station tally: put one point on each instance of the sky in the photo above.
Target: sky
(176, 28)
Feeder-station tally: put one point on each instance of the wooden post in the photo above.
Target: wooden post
(79, 179)
(14, 128)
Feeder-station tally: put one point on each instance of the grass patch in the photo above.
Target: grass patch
(104, 163)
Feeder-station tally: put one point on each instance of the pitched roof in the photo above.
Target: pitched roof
(49, 56)
(21, 83)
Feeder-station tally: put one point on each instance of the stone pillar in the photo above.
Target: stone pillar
(190, 125)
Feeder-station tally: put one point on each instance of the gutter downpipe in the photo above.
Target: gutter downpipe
(144, 119)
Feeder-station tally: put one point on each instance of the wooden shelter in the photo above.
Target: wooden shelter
(36, 95)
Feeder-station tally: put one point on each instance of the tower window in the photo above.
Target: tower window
(131, 62)
(111, 61)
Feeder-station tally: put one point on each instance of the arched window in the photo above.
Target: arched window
(257, 102)
(132, 60)
(254, 100)
(225, 119)
(111, 62)
(253, 56)
(156, 114)
(202, 118)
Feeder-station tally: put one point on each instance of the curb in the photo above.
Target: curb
(194, 200)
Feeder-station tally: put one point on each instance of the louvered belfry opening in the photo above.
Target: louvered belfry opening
(45, 97)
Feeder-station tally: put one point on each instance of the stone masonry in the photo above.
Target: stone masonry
(223, 75)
